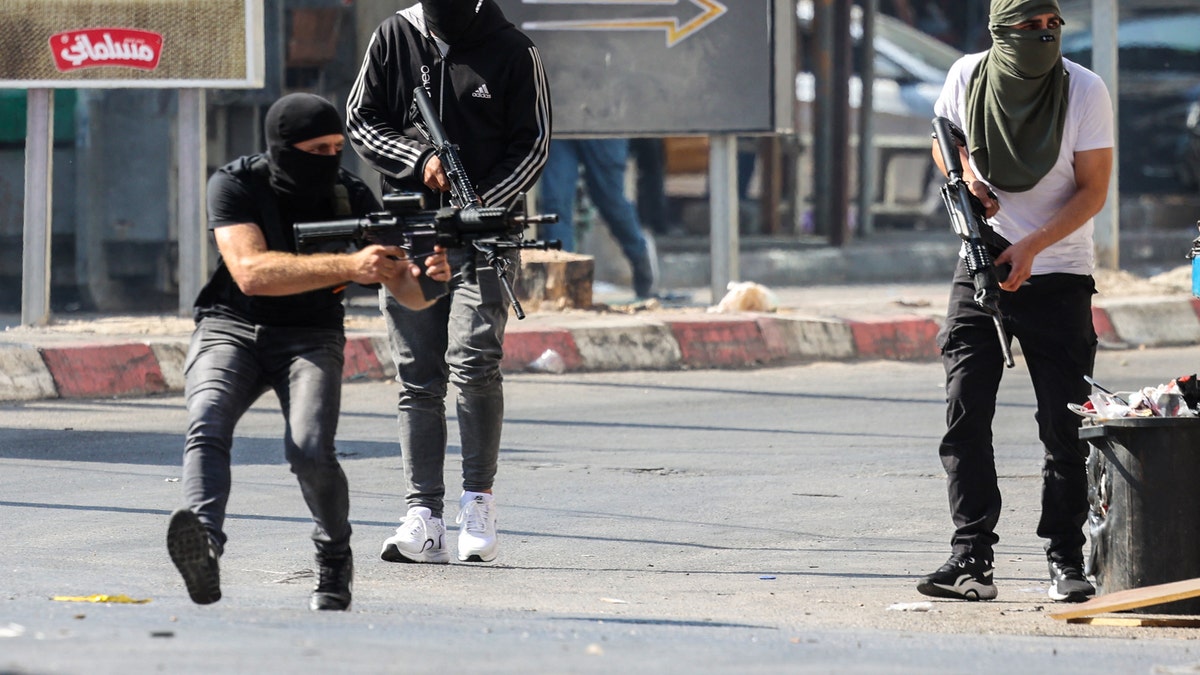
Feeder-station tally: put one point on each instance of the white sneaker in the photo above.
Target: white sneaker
(421, 538)
(477, 537)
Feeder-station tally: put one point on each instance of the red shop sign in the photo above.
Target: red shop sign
(93, 47)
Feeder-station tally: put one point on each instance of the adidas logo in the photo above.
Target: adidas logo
(482, 92)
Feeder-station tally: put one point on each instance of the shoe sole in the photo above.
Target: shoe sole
(326, 602)
(392, 553)
(970, 591)
(1078, 596)
(478, 556)
(187, 543)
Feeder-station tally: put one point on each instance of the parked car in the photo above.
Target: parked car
(1158, 63)
(910, 69)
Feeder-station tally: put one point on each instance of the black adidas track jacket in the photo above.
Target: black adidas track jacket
(489, 88)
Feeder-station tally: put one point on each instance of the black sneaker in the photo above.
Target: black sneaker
(335, 575)
(962, 577)
(194, 556)
(1068, 583)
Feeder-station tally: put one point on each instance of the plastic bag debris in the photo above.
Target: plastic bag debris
(746, 296)
(549, 362)
(1165, 400)
(12, 630)
(119, 599)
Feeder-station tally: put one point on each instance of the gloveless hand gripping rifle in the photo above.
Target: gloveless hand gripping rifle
(981, 244)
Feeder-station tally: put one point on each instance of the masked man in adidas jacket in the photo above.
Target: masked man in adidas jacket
(270, 318)
(486, 81)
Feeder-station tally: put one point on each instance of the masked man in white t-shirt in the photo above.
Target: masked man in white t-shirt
(1038, 156)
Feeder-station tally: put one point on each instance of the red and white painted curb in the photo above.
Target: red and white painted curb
(28, 372)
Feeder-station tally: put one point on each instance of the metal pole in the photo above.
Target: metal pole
(723, 205)
(832, 106)
(1107, 235)
(193, 240)
(39, 179)
(822, 114)
(867, 166)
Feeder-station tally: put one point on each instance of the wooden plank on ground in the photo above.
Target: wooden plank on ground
(1139, 621)
(1132, 599)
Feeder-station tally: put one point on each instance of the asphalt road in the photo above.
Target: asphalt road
(711, 521)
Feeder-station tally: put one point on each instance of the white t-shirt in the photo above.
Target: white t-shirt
(1089, 126)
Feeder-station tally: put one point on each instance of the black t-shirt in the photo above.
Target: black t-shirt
(240, 192)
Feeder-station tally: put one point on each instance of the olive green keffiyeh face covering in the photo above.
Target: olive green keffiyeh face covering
(1017, 98)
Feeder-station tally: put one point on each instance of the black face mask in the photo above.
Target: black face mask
(302, 177)
(450, 19)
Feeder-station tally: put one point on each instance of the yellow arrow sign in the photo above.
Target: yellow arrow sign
(675, 32)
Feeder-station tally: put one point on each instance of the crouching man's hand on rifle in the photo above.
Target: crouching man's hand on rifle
(377, 264)
(403, 283)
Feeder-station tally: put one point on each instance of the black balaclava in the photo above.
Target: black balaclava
(302, 177)
(450, 19)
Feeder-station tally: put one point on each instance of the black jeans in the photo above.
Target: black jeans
(229, 365)
(1051, 317)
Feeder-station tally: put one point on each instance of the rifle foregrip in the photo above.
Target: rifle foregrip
(460, 185)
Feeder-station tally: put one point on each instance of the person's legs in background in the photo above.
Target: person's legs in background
(604, 174)
(558, 185)
(650, 159)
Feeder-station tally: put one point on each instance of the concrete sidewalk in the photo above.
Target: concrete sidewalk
(109, 356)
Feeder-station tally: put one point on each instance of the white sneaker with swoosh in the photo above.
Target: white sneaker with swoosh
(421, 538)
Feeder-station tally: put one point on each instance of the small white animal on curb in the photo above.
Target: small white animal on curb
(746, 296)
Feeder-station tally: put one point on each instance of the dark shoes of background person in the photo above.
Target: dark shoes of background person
(962, 577)
(194, 556)
(1068, 583)
(335, 576)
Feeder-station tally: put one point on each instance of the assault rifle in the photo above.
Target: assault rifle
(967, 217)
(491, 230)
(408, 224)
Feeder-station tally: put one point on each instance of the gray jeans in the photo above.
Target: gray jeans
(229, 365)
(460, 339)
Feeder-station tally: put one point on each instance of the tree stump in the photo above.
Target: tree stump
(554, 280)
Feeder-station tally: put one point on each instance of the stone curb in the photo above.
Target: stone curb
(29, 373)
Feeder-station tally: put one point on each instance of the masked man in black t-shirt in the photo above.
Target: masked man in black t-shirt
(270, 318)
